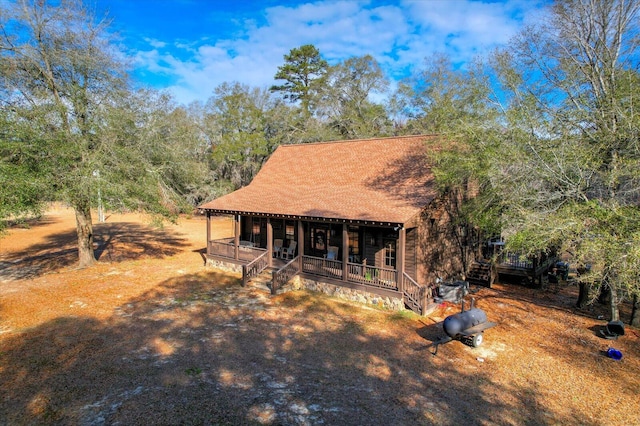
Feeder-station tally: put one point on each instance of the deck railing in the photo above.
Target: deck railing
(257, 261)
(253, 268)
(322, 267)
(251, 253)
(372, 275)
(515, 260)
(356, 272)
(222, 248)
(416, 296)
(284, 274)
(226, 248)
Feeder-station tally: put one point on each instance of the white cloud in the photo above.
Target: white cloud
(155, 43)
(398, 35)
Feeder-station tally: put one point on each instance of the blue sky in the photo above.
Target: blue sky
(191, 46)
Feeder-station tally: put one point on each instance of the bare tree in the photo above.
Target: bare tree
(58, 71)
(82, 131)
(346, 101)
(568, 168)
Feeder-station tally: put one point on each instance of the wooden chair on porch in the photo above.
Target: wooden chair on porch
(332, 253)
(277, 248)
(289, 251)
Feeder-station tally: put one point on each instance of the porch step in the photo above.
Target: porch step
(409, 303)
(415, 307)
(263, 280)
(480, 273)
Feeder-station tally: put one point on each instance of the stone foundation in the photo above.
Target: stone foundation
(224, 266)
(346, 293)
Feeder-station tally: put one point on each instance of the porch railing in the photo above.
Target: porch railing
(372, 275)
(251, 253)
(253, 268)
(258, 261)
(222, 248)
(416, 296)
(284, 274)
(226, 248)
(357, 273)
(322, 267)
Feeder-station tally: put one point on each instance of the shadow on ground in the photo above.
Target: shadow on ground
(200, 349)
(29, 223)
(113, 242)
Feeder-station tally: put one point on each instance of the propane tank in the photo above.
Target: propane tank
(455, 324)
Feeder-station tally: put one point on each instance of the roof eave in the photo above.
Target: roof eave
(348, 221)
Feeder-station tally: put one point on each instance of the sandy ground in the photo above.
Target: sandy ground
(151, 336)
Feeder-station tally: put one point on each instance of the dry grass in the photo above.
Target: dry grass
(150, 336)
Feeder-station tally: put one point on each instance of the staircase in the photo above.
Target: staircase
(480, 273)
(263, 280)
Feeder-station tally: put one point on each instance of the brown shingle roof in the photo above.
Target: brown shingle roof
(378, 180)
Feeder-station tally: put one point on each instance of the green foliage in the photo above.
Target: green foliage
(554, 159)
(303, 72)
(244, 126)
(22, 178)
(442, 99)
(456, 105)
(566, 168)
(71, 127)
(344, 100)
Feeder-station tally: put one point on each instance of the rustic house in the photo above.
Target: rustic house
(360, 218)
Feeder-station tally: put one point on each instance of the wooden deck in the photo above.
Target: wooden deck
(527, 269)
(382, 281)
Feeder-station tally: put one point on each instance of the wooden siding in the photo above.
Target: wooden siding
(411, 254)
(371, 251)
(442, 252)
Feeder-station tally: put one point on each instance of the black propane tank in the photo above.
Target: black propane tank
(455, 324)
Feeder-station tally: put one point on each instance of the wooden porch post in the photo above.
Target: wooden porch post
(402, 238)
(269, 242)
(426, 294)
(345, 252)
(208, 231)
(236, 235)
(300, 244)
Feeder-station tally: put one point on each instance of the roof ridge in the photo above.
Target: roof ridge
(337, 141)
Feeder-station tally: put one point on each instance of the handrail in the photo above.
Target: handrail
(222, 248)
(372, 275)
(253, 268)
(515, 260)
(226, 248)
(284, 274)
(416, 295)
(322, 267)
(251, 253)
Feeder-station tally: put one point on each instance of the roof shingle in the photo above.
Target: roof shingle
(381, 180)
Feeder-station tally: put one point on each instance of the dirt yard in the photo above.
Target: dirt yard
(151, 336)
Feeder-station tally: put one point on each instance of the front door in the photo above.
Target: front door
(318, 242)
(390, 253)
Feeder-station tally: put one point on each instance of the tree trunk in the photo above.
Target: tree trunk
(604, 297)
(84, 228)
(615, 313)
(635, 312)
(583, 295)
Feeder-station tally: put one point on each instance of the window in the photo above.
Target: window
(354, 243)
(290, 232)
(255, 232)
(390, 253)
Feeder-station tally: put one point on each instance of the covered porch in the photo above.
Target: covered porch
(362, 255)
